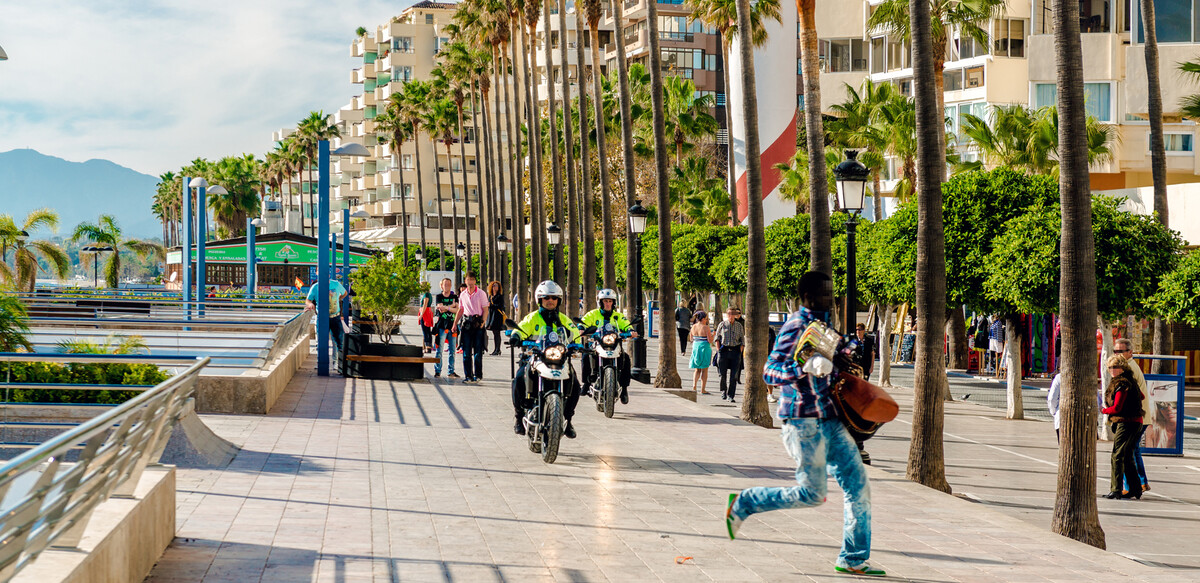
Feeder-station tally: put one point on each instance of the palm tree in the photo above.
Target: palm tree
(585, 157)
(572, 193)
(1163, 343)
(722, 15)
(516, 170)
(106, 231)
(926, 458)
(617, 9)
(413, 104)
(754, 405)
(311, 130)
(592, 10)
(441, 119)
(1075, 514)
(1028, 139)
(668, 375)
(858, 125)
(699, 195)
(451, 76)
(14, 325)
(241, 178)
(397, 129)
(793, 183)
(687, 116)
(818, 198)
(533, 125)
(167, 205)
(556, 165)
(23, 273)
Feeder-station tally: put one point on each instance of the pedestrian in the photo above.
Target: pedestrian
(336, 293)
(995, 344)
(814, 436)
(864, 352)
(425, 317)
(730, 334)
(472, 307)
(496, 315)
(701, 351)
(981, 342)
(683, 321)
(445, 307)
(1124, 347)
(1123, 406)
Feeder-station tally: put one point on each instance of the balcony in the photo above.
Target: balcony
(368, 98)
(358, 47)
(356, 76)
(343, 165)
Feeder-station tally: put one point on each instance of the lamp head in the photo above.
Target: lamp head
(460, 250)
(258, 222)
(217, 190)
(3, 55)
(351, 149)
(851, 176)
(198, 182)
(637, 218)
(503, 243)
(22, 235)
(360, 214)
(554, 233)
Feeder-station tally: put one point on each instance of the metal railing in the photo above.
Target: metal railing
(47, 501)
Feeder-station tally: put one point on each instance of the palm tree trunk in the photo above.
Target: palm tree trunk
(926, 459)
(498, 155)
(420, 186)
(610, 269)
(754, 405)
(1015, 399)
(441, 217)
(537, 194)
(516, 178)
(1163, 343)
(818, 186)
(730, 167)
(555, 162)
(956, 337)
(668, 375)
(462, 154)
(634, 305)
(484, 193)
(585, 158)
(1075, 514)
(399, 157)
(572, 254)
(878, 197)
(487, 229)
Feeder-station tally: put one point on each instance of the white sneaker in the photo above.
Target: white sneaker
(772, 399)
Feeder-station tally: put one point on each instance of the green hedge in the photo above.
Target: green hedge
(88, 374)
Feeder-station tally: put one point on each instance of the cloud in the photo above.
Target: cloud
(152, 84)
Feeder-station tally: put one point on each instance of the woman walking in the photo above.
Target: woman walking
(495, 321)
(701, 351)
(425, 317)
(1123, 405)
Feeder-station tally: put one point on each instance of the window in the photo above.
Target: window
(1174, 142)
(681, 61)
(402, 44)
(897, 54)
(877, 53)
(408, 192)
(966, 47)
(1097, 98)
(974, 77)
(406, 162)
(674, 28)
(428, 19)
(1008, 38)
(404, 74)
(1173, 21)
(799, 66)
(952, 80)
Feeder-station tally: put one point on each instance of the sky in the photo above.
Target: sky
(153, 84)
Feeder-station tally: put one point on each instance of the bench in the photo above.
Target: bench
(391, 359)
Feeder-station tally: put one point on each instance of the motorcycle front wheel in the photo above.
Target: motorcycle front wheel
(608, 391)
(552, 426)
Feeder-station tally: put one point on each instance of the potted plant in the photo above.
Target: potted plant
(383, 289)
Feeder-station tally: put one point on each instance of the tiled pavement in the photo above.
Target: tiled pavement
(352, 480)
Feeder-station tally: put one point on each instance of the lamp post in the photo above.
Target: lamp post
(252, 226)
(851, 176)
(637, 226)
(201, 186)
(95, 275)
(460, 251)
(503, 245)
(185, 262)
(554, 235)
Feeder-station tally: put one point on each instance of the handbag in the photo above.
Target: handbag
(862, 406)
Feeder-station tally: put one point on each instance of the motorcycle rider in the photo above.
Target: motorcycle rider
(548, 296)
(607, 313)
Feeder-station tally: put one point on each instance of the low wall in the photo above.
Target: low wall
(123, 540)
(254, 392)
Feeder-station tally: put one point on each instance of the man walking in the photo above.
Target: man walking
(472, 305)
(729, 334)
(1124, 347)
(446, 309)
(814, 436)
(683, 323)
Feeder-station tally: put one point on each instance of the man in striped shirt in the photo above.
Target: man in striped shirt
(814, 436)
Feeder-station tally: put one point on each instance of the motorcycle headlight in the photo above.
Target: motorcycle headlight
(555, 354)
(608, 339)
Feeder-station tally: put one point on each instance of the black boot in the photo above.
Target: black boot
(519, 428)
(624, 395)
(569, 431)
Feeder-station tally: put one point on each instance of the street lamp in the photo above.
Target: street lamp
(252, 226)
(460, 251)
(554, 234)
(503, 244)
(637, 226)
(201, 186)
(95, 251)
(23, 236)
(3, 55)
(851, 176)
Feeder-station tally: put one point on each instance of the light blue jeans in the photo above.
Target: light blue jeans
(815, 444)
(442, 337)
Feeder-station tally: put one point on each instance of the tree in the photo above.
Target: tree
(412, 107)
(697, 194)
(167, 205)
(858, 126)
(1158, 158)
(106, 231)
(396, 130)
(14, 325)
(754, 404)
(818, 197)
(441, 120)
(1075, 514)
(687, 116)
(516, 170)
(241, 178)
(926, 458)
(452, 78)
(1024, 138)
(316, 127)
(592, 10)
(23, 273)
(532, 125)
(383, 288)
(1178, 295)
(586, 192)
(617, 10)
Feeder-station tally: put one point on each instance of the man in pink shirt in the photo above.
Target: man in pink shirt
(472, 306)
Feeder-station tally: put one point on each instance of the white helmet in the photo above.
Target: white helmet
(606, 294)
(548, 289)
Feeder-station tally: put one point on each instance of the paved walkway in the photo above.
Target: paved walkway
(352, 480)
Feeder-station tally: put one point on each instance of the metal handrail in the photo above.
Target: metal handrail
(55, 509)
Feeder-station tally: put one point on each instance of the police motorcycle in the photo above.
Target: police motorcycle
(548, 378)
(606, 343)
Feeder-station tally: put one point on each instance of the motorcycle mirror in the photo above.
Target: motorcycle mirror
(577, 320)
(510, 323)
(589, 330)
(636, 320)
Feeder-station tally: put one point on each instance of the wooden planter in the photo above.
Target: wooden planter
(360, 345)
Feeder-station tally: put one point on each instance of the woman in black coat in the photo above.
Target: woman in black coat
(495, 319)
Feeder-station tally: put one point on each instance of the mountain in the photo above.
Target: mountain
(79, 191)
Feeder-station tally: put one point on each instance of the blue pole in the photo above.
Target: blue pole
(201, 239)
(251, 259)
(185, 261)
(323, 263)
(346, 258)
